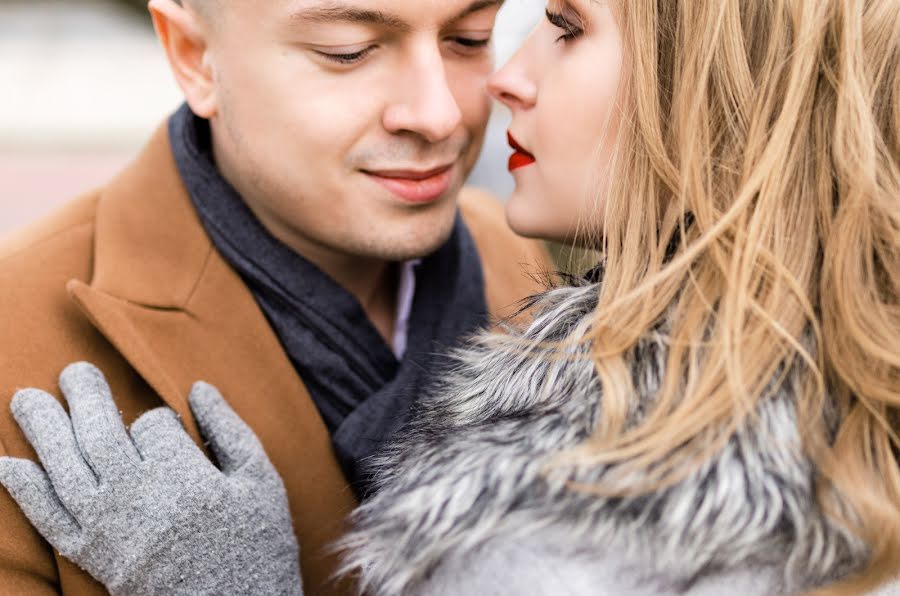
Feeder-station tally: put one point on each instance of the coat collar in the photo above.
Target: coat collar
(150, 245)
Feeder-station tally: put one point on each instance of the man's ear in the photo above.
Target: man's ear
(184, 38)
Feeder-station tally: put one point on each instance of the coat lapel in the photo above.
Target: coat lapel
(178, 313)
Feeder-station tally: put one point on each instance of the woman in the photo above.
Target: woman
(714, 408)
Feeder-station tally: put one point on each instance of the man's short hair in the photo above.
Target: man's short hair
(203, 7)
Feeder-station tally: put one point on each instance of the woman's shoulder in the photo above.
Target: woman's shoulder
(478, 465)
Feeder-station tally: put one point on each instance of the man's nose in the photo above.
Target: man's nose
(424, 102)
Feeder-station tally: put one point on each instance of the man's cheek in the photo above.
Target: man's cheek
(473, 102)
(469, 78)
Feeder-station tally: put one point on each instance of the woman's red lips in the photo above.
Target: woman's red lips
(521, 158)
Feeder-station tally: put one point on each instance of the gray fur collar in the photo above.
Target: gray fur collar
(471, 467)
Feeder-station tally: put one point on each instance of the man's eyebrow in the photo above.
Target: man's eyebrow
(478, 6)
(338, 11)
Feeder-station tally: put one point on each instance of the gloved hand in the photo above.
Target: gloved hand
(147, 512)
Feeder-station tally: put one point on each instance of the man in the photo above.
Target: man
(292, 238)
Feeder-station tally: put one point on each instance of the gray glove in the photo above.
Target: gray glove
(148, 513)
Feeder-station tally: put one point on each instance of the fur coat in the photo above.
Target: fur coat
(466, 503)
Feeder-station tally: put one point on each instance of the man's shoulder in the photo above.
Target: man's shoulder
(64, 236)
(40, 327)
(485, 216)
(514, 267)
(36, 264)
(479, 207)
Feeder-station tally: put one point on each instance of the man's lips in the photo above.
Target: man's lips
(415, 186)
(521, 158)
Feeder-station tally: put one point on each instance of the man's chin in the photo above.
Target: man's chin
(417, 251)
(417, 245)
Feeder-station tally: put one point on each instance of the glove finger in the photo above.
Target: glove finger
(32, 490)
(96, 420)
(234, 444)
(49, 430)
(159, 436)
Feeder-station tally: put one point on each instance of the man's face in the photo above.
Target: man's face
(349, 126)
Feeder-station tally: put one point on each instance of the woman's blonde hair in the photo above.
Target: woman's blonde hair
(762, 138)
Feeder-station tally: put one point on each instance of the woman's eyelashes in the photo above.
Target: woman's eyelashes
(570, 28)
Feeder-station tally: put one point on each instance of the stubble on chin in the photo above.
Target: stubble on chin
(411, 235)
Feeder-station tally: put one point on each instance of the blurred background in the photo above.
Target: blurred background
(83, 84)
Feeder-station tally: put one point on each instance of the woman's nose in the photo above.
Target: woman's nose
(512, 86)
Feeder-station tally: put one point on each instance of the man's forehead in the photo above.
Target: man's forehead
(398, 14)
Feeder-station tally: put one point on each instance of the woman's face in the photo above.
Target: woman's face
(562, 87)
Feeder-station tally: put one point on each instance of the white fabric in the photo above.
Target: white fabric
(889, 589)
(406, 292)
(538, 567)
